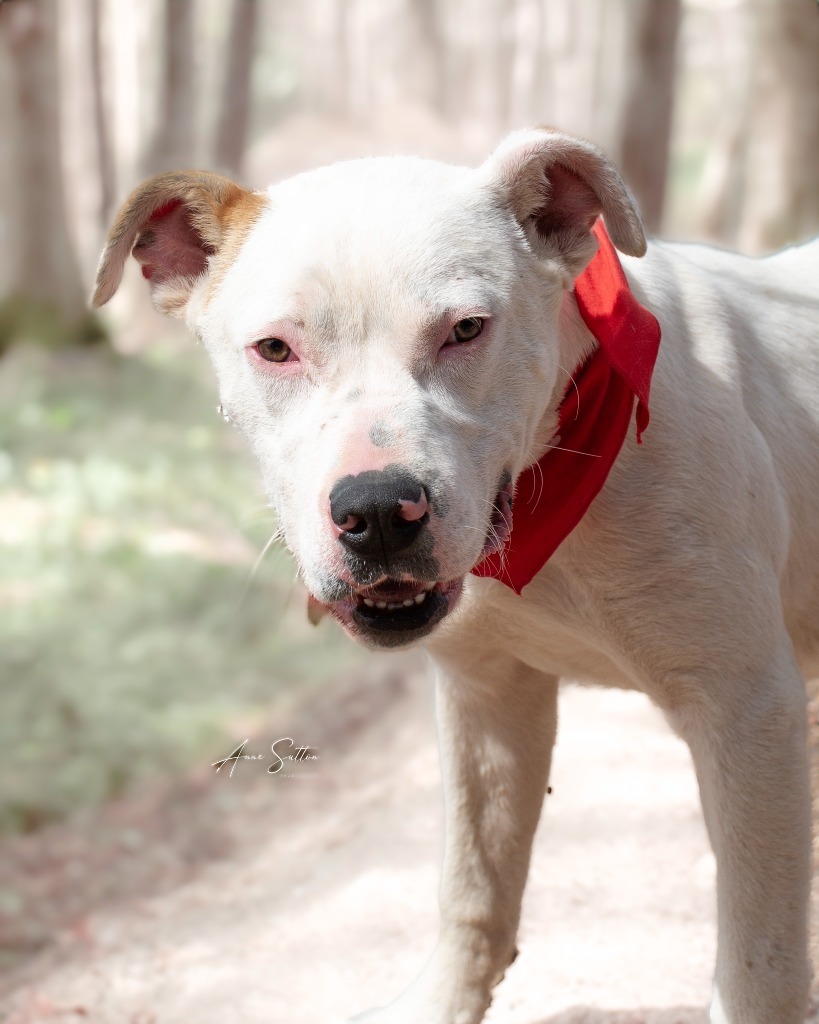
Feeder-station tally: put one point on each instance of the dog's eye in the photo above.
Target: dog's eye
(274, 350)
(467, 329)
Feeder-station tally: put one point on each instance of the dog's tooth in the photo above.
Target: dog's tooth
(410, 601)
(420, 598)
(369, 602)
(429, 586)
(381, 604)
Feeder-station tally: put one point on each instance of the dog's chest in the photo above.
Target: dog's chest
(551, 629)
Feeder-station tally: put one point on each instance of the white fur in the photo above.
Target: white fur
(693, 577)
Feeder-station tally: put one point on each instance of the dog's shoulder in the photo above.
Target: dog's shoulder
(707, 276)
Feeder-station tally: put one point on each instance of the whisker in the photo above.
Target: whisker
(532, 499)
(503, 559)
(292, 589)
(275, 537)
(257, 515)
(576, 388)
(574, 451)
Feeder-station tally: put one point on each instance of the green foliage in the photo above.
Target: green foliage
(24, 320)
(134, 635)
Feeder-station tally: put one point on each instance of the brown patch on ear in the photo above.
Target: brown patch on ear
(176, 224)
(237, 219)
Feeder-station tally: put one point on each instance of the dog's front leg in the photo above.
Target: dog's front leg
(749, 750)
(497, 721)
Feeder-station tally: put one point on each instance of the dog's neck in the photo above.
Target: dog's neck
(575, 344)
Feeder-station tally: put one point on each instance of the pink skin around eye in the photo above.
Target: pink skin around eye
(282, 333)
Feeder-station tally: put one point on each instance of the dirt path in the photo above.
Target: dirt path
(319, 898)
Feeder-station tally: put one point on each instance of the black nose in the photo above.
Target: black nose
(379, 513)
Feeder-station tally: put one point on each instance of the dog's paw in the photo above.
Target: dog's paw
(381, 1015)
(395, 1014)
(411, 1010)
(448, 991)
(420, 1016)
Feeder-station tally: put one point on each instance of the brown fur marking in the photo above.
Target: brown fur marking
(220, 211)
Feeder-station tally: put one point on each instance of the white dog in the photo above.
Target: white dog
(399, 340)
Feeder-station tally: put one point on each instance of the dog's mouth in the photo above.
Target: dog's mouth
(397, 612)
(394, 613)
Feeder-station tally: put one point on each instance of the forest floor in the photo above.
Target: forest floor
(259, 898)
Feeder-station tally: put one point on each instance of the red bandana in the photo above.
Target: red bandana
(552, 499)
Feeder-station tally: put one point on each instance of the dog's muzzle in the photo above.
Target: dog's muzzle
(393, 594)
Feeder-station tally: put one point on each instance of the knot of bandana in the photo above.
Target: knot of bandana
(594, 417)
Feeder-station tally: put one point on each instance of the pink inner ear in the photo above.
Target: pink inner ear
(169, 246)
(571, 203)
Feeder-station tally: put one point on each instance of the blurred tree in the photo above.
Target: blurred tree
(527, 20)
(47, 298)
(430, 49)
(477, 55)
(572, 97)
(105, 162)
(234, 110)
(780, 200)
(489, 56)
(719, 198)
(324, 24)
(174, 139)
(651, 75)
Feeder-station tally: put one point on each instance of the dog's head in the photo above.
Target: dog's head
(393, 338)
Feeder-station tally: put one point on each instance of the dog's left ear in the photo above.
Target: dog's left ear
(557, 186)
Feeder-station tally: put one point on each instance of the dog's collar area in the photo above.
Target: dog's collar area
(556, 492)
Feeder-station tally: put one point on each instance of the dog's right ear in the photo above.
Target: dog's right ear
(176, 225)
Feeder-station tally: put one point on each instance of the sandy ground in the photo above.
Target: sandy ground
(302, 900)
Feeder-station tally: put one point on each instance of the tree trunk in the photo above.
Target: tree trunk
(431, 46)
(102, 136)
(719, 195)
(234, 114)
(781, 196)
(528, 31)
(649, 103)
(325, 45)
(10, 223)
(174, 142)
(572, 47)
(45, 270)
